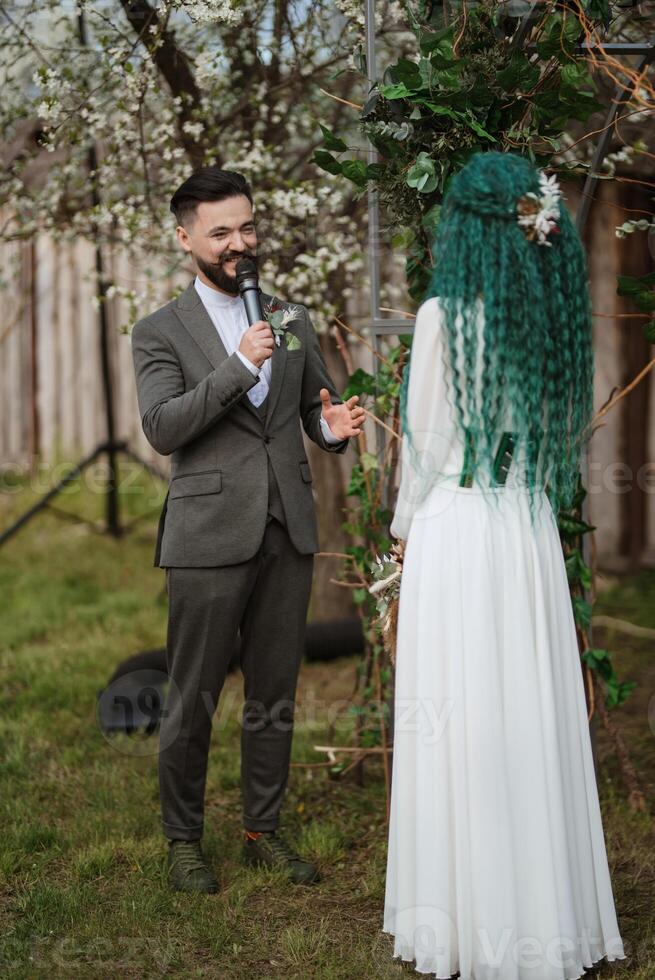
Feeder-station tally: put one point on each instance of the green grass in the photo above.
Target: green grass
(82, 860)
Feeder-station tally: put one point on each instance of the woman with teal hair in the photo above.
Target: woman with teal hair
(497, 865)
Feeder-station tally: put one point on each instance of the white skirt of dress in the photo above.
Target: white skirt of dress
(496, 864)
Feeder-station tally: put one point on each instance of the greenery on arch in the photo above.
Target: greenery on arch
(473, 85)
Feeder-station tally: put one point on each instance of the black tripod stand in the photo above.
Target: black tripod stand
(111, 448)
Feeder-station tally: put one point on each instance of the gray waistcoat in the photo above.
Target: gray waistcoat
(275, 507)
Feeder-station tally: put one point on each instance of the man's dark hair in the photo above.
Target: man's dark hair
(207, 184)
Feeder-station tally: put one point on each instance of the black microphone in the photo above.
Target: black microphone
(248, 283)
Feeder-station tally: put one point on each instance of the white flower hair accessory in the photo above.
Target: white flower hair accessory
(538, 214)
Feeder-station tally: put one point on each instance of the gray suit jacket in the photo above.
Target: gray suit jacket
(193, 405)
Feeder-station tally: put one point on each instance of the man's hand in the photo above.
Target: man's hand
(257, 342)
(343, 419)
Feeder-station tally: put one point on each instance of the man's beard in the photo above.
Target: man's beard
(217, 274)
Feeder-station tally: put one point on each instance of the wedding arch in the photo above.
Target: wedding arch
(382, 327)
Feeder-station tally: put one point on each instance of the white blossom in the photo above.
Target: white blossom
(205, 11)
(544, 220)
(113, 94)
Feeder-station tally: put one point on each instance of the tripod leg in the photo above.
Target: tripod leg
(45, 500)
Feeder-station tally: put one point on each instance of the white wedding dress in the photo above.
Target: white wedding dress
(496, 864)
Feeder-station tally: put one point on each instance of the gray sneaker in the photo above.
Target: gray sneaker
(187, 869)
(271, 851)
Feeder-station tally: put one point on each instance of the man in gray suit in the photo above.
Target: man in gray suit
(238, 532)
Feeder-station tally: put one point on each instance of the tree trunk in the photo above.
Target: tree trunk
(635, 261)
(331, 474)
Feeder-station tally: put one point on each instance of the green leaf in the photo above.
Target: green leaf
(559, 36)
(600, 661)
(618, 693)
(585, 575)
(388, 567)
(571, 567)
(465, 117)
(447, 78)
(408, 73)
(547, 103)
(331, 141)
(576, 74)
(582, 612)
(430, 40)
(293, 342)
(645, 301)
(572, 100)
(356, 483)
(638, 289)
(442, 110)
(649, 331)
(473, 124)
(403, 239)
(595, 656)
(572, 526)
(395, 91)
(327, 162)
(441, 56)
(430, 219)
(423, 174)
(375, 171)
(359, 382)
(611, 692)
(370, 104)
(579, 497)
(357, 551)
(369, 462)
(628, 285)
(355, 170)
(577, 569)
(519, 75)
(598, 10)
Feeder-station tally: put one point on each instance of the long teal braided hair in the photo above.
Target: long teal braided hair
(537, 358)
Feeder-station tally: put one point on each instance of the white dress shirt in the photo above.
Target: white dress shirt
(228, 314)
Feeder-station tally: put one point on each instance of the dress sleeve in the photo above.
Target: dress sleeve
(430, 417)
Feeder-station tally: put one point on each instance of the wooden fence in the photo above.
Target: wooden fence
(51, 401)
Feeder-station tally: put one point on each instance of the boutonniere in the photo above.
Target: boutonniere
(279, 318)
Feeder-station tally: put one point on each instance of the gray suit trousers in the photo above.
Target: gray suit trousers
(266, 598)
